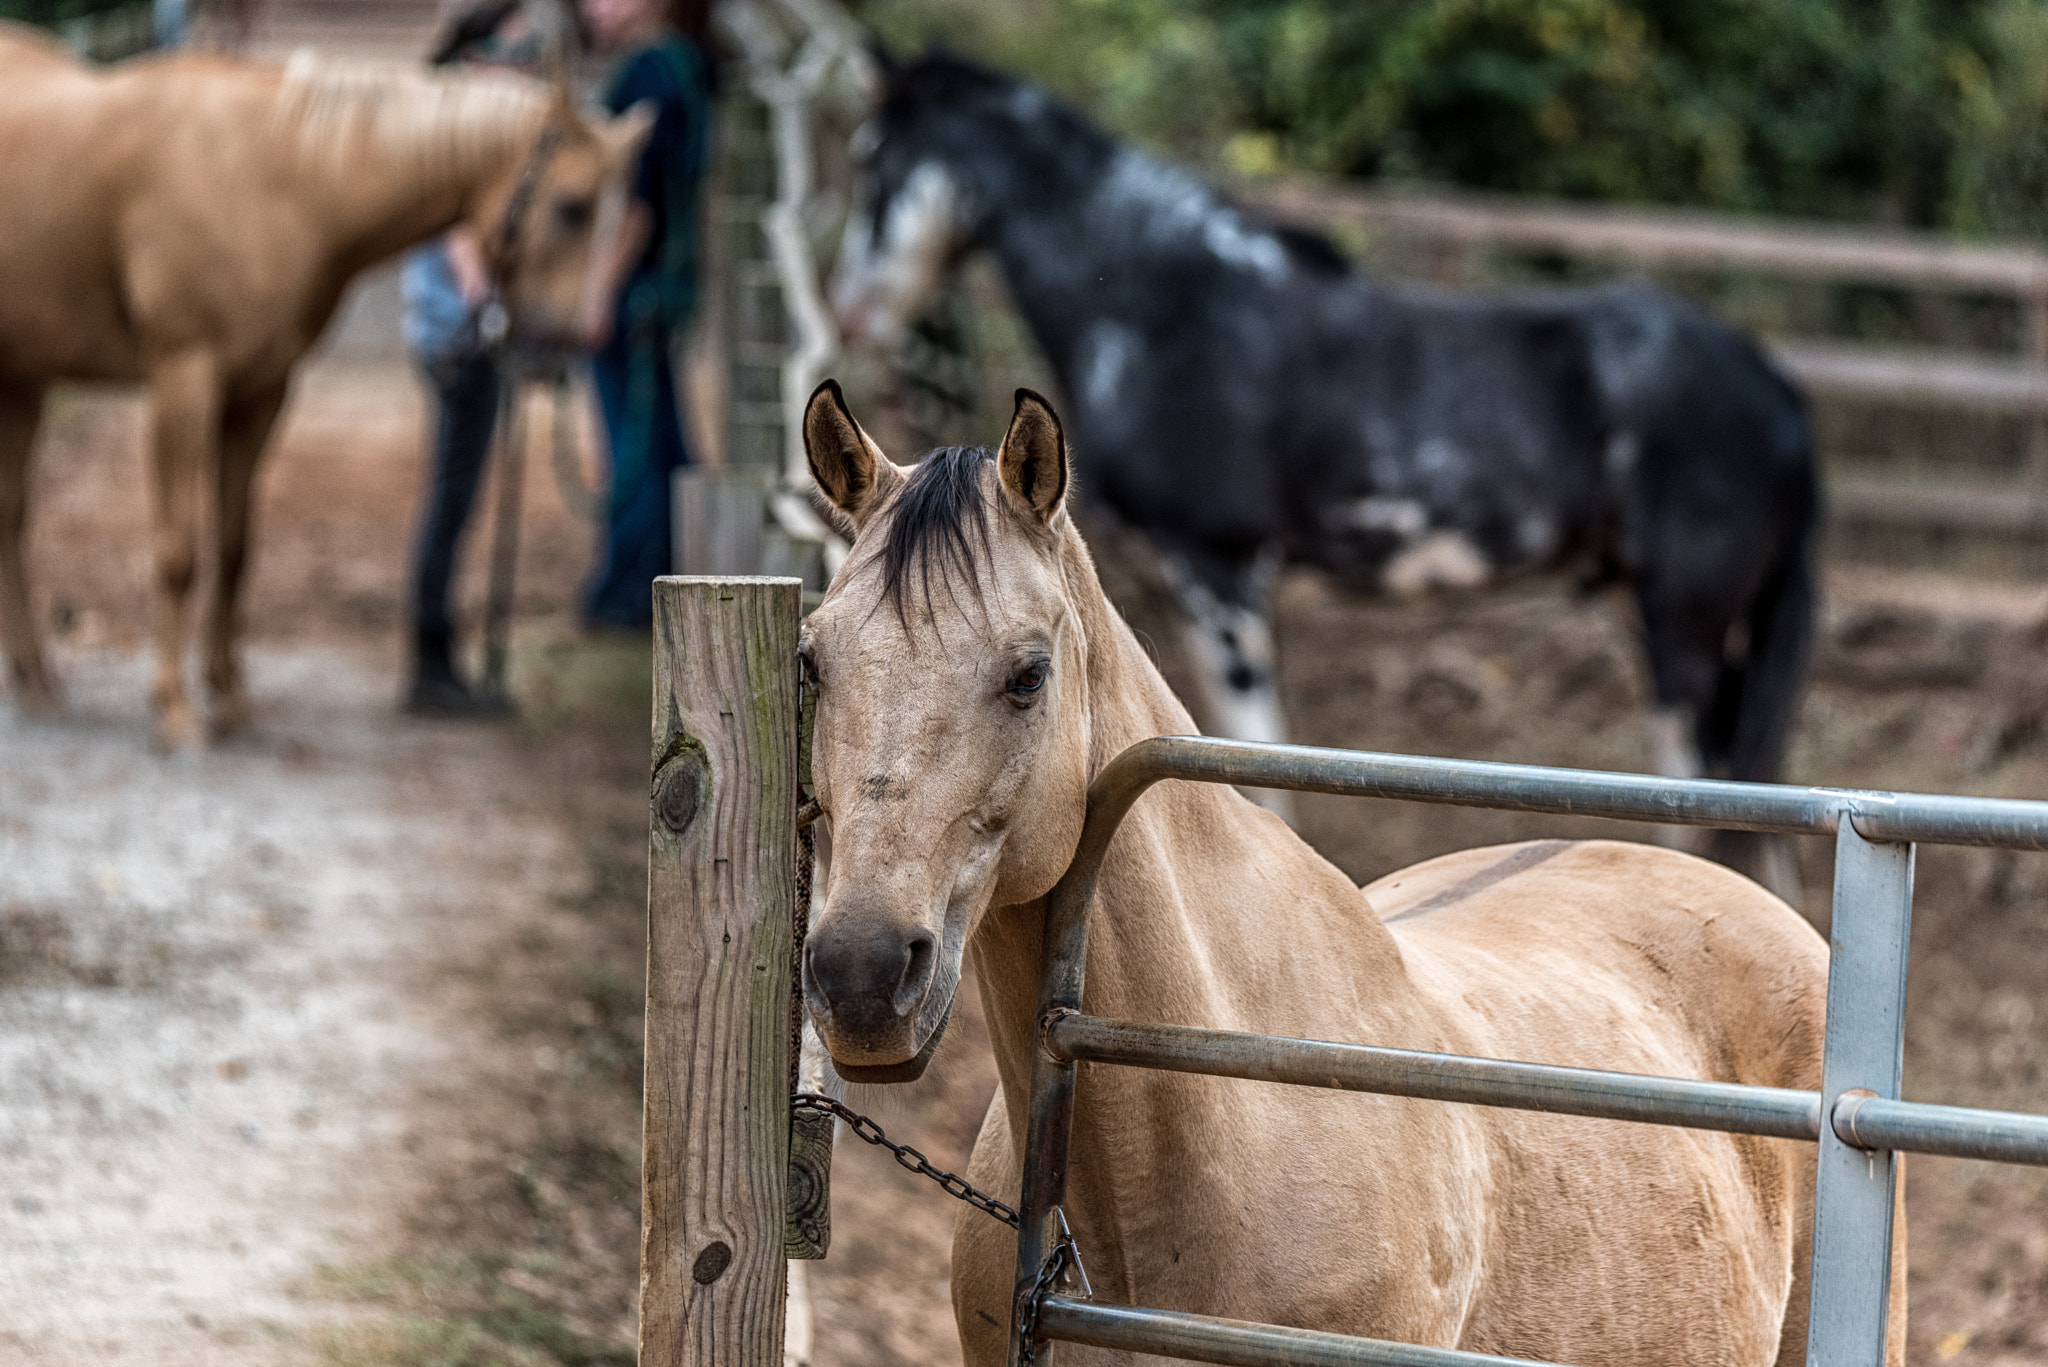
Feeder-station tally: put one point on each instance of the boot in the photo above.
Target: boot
(438, 691)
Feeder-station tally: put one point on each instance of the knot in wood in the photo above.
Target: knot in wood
(679, 792)
(711, 1263)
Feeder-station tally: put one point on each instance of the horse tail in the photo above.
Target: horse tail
(1757, 694)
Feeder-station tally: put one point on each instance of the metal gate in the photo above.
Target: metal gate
(1857, 1117)
(718, 1189)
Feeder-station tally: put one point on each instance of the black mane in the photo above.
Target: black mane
(939, 516)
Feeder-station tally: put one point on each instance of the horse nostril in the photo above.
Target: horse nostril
(863, 976)
(917, 976)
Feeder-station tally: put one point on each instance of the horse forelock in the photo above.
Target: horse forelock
(940, 520)
(435, 121)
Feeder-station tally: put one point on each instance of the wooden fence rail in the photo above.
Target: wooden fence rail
(1457, 225)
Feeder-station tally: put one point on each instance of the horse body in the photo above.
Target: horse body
(1010, 683)
(114, 200)
(191, 222)
(1546, 1237)
(1239, 394)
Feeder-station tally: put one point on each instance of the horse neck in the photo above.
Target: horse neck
(1208, 907)
(392, 159)
(1120, 218)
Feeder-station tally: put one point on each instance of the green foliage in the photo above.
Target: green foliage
(1923, 111)
(53, 12)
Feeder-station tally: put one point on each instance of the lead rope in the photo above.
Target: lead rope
(800, 907)
(1064, 1256)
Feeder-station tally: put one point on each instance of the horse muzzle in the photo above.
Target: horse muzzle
(874, 991)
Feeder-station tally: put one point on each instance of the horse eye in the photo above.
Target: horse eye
(807, 661)
(1027, 680)
(575, 214)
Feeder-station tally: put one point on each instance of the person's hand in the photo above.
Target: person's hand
(466, 263)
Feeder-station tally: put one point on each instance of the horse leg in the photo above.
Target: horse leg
(1694, 684)
(1684, 645)
(245, 430)
(984, 1253)
(36, 693)
(1798, 1304)
(1228, 620)
(185, 396)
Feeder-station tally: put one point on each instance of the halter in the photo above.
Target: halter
(506, 236)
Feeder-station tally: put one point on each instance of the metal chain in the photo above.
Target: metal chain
(1062, 1256)
(870, 1132)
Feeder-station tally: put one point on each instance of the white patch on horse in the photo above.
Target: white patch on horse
(864, 142)
(1630, 343)
(1027, 104)
(1402, 517)
(1108, 348)
(1232, 647)
(1445, 560)
(882, 283)
(1674, 754)
(1623, 449)
(1168, 207)
(1226, 235)
(1536, 534)
(1439, 456)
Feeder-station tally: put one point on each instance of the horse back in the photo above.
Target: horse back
(1629, 958)
(122, 190)
(1612, 954)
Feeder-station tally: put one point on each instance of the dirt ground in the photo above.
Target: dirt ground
(323, 1047)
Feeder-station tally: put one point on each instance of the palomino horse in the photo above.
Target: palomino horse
(972, 679)
(1241, 396)
(190, 222)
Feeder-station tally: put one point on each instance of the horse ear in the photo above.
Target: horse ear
(1033, 458)
(850, 469)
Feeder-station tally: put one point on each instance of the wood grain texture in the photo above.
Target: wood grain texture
(721, 873)
(807, 1231)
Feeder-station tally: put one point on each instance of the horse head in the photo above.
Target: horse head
(949, 146)
(952, 746)
(549, 218)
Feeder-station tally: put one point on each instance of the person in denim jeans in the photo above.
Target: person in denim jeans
(647, 292)
(446, 287)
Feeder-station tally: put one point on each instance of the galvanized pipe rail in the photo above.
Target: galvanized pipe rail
(1778, 1112)
(1866, 1125)
(1237, 1343)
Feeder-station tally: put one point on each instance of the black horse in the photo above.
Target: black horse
(1240, 395)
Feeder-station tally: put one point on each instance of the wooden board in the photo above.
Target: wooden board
(721, 875)
(1916, 376)
(1664, 238)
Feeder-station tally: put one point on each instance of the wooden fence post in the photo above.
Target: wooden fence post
(721, 875)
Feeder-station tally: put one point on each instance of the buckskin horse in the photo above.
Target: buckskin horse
(972, 681)
(190, 222)
(1241, 396)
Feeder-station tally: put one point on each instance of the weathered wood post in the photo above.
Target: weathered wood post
(721, 876)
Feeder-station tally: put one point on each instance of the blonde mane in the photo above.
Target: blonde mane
(433, 122)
